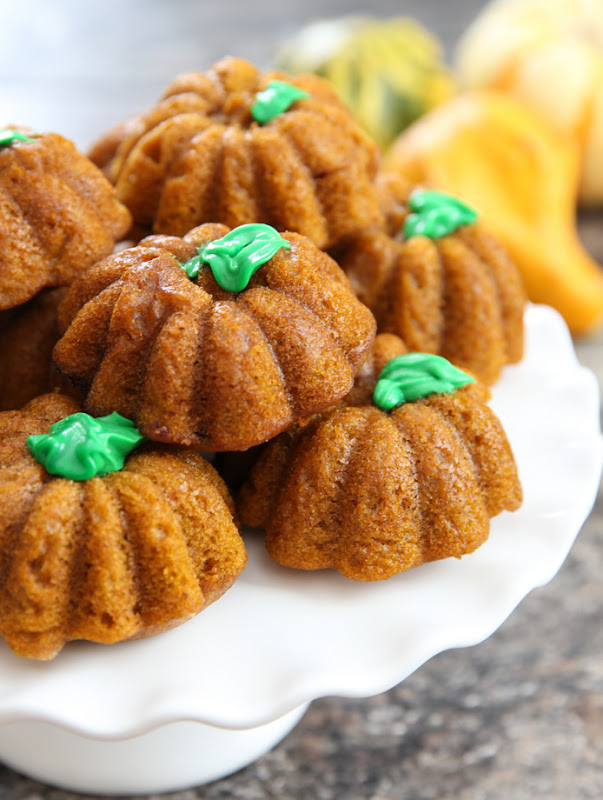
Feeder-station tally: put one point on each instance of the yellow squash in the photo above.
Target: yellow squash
(549, 54)
(522, 177)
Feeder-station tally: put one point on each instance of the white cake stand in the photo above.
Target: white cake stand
(203, 700)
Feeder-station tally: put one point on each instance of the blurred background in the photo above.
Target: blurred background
(521, 715)
(77, 67)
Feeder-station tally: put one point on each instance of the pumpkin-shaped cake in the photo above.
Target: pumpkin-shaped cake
(214, 365)
(235, 145)
(104, 557)
(58, 214)
(444, 284)
(507, 162)
(372, 492)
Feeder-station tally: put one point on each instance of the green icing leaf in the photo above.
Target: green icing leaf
(277, 97)
(236, 257)
(436, 214)
(192, 267)
(415, 375)
(8, 136)
(80, 447)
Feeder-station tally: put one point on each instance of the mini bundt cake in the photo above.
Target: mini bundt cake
(114, 556)
(58, 214)
(194, 363)
(234, 467)
(371, 492)
(28, 334)
(446, 288)
(235, 145)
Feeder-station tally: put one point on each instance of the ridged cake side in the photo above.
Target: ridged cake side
(58, 216)
(28, 334)
(193, 364)
(199, 156)
(118, 557)
(459, 296)
(370, 493)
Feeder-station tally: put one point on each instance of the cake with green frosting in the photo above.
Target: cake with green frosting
(439, 280)
(104, 537)
(218, 340)
(58, 214)
(238, 145)
(409, 468)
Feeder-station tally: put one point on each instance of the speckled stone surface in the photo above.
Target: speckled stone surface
(517, 717)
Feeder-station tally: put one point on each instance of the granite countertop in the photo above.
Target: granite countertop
(518, 716)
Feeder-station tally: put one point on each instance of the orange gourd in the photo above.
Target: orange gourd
(548, 54)
(522, 177)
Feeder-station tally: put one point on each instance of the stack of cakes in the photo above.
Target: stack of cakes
(232, 327)
(58, 216)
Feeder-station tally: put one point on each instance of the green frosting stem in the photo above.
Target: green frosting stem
(8, 136)
(81, 447)
(415, 375)
(236, 257)
(192, 267)
(436, 214)
(277, 97)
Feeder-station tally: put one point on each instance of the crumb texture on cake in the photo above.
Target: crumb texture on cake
(58, 216)
(199, 156)
(112, 558)
(371, 493)
(460, 296)
(193, 364)
(28, 334)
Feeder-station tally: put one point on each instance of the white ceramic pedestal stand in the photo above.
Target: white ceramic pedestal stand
(179, 710)
(162, 760)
